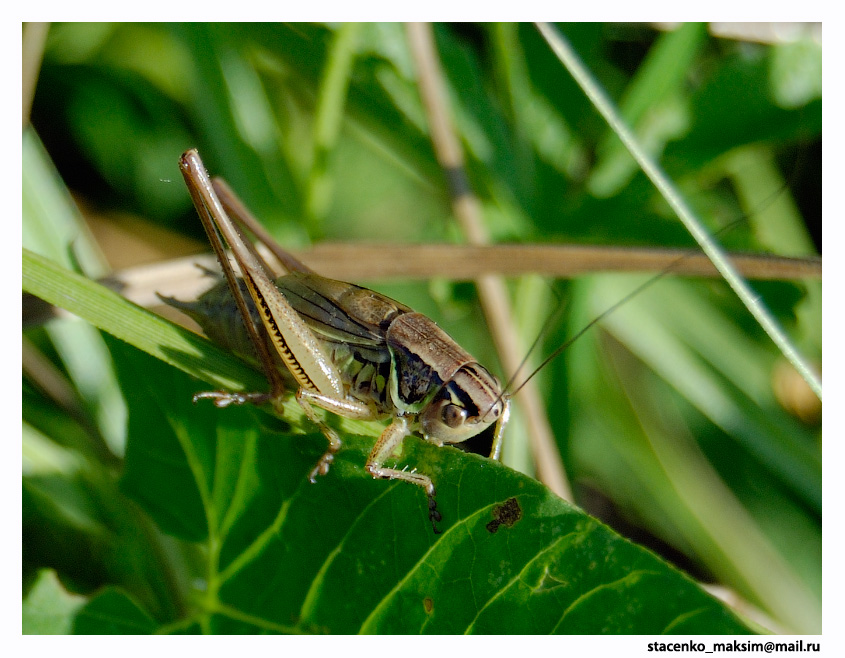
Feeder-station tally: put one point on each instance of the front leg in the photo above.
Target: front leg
(389, 440)
(499, 435)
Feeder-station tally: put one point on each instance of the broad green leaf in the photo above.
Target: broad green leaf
(350, 554)
(113, 612)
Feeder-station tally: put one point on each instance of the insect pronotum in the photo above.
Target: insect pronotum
(350, 350)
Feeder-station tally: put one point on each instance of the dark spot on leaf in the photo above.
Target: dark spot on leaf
(428, 604)
(507, 513)
(433, 515)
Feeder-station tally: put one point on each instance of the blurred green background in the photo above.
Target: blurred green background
(677, 422)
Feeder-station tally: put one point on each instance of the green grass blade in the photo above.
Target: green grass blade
(673, 197)
(108, 311)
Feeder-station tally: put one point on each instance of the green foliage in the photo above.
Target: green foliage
(49, 609)
(170, 517)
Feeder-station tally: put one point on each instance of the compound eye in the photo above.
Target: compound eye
(453, 415)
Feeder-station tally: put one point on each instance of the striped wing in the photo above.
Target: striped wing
(341, 312)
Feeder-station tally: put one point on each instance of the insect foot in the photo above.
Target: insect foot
(223, 399)
(419, 479)
(322, 466)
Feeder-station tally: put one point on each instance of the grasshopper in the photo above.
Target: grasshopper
(350, 351)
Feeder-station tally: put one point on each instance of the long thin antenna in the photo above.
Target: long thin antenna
(549, 322)
(636, 291)
(561, 348)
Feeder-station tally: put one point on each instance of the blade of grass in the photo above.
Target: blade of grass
(53, 226)
(108, 311)
(329, 114)
(605, 107)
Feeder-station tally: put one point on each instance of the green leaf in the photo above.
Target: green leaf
(48, 608)
(113, 612)
(351, 554)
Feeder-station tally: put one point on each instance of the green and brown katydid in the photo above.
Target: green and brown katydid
(345, 349)
(350, 350)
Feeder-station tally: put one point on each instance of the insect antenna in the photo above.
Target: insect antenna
(636, 291)
(549, 322)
